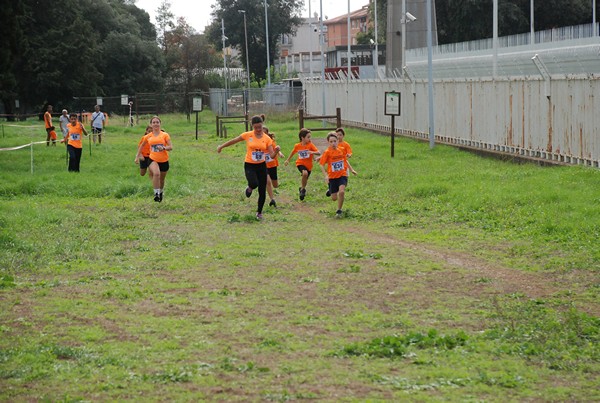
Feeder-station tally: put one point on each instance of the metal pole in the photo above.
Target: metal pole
(322, 44)
(223, 37)
(349, 50)
(246, 38)
(376, 61)
(495, 40)
(430, 75)
(594, 18)
(531, 20)
(267, 38)
(310, 36)
(403, 22)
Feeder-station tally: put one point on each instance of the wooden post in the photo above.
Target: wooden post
(338, 112)
(301, 118)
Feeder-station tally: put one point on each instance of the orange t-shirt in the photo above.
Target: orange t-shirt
(272, 162)
(74, 133)
(146, 148)
(48, 119)
(158, 153)
(304, 156)
(346, 146)
(256, 148)
(336, 162)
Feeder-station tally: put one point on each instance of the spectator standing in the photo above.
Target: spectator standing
(50, 132)
(98, 120)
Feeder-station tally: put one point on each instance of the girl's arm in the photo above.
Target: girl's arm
(273, 151)
(229, 143)
(84, 131)
(168, 146)
(139, 155)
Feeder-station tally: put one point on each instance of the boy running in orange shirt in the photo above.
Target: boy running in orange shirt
(306, 150)
(337, 177)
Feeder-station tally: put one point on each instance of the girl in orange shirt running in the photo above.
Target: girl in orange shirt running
(73, 138)
(272, 164)
(258, 144)
(337, 177)
(160, 144)
(306, 151)
(145, 154)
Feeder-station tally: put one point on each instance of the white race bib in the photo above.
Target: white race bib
(337, 166)
(304, 154)
(75, 136)
(258, 156)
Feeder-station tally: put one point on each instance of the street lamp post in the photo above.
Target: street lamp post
(246, 38)
(267, 38)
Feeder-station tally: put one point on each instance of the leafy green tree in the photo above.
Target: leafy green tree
(283, 18)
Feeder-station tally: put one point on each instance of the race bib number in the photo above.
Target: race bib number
(258, 156)
(268, 157)
(75, 136)
(304, 154)
(337, 166)
(156, 148)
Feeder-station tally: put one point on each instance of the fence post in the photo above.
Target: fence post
(218, 132)
(338, 113)
(301, 118)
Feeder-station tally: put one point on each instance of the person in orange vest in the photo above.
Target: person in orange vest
(74, 145)
(50, 132)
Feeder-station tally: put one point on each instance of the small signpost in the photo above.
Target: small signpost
(197, 107)
(392, 108)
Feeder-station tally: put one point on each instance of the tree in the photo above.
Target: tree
(283, 18)
(165, 21)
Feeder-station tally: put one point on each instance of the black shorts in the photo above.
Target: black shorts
(272, 172)
(334, 184)
(303, 168)
(145, 163)
(162, 166)
(96, 130)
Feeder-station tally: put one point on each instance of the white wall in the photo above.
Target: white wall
(506, 115)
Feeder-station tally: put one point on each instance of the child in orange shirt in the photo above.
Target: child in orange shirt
(272, 164)
(144, 160)
(306, 150)
(336, 175)
(160, 145)
(73, 139)
(341, 134)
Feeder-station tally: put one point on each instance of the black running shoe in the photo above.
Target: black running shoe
(160, 196)
(338, 214)
(156, 197)
(302, 193)
(328, 193)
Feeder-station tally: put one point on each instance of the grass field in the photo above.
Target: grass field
(452, 277)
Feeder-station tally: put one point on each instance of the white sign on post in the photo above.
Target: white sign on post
(99, 101)
(197, 104)
(392, 103)
(124, 99)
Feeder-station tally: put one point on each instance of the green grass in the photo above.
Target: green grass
(451, 277)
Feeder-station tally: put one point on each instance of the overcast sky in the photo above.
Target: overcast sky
(197, 12)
